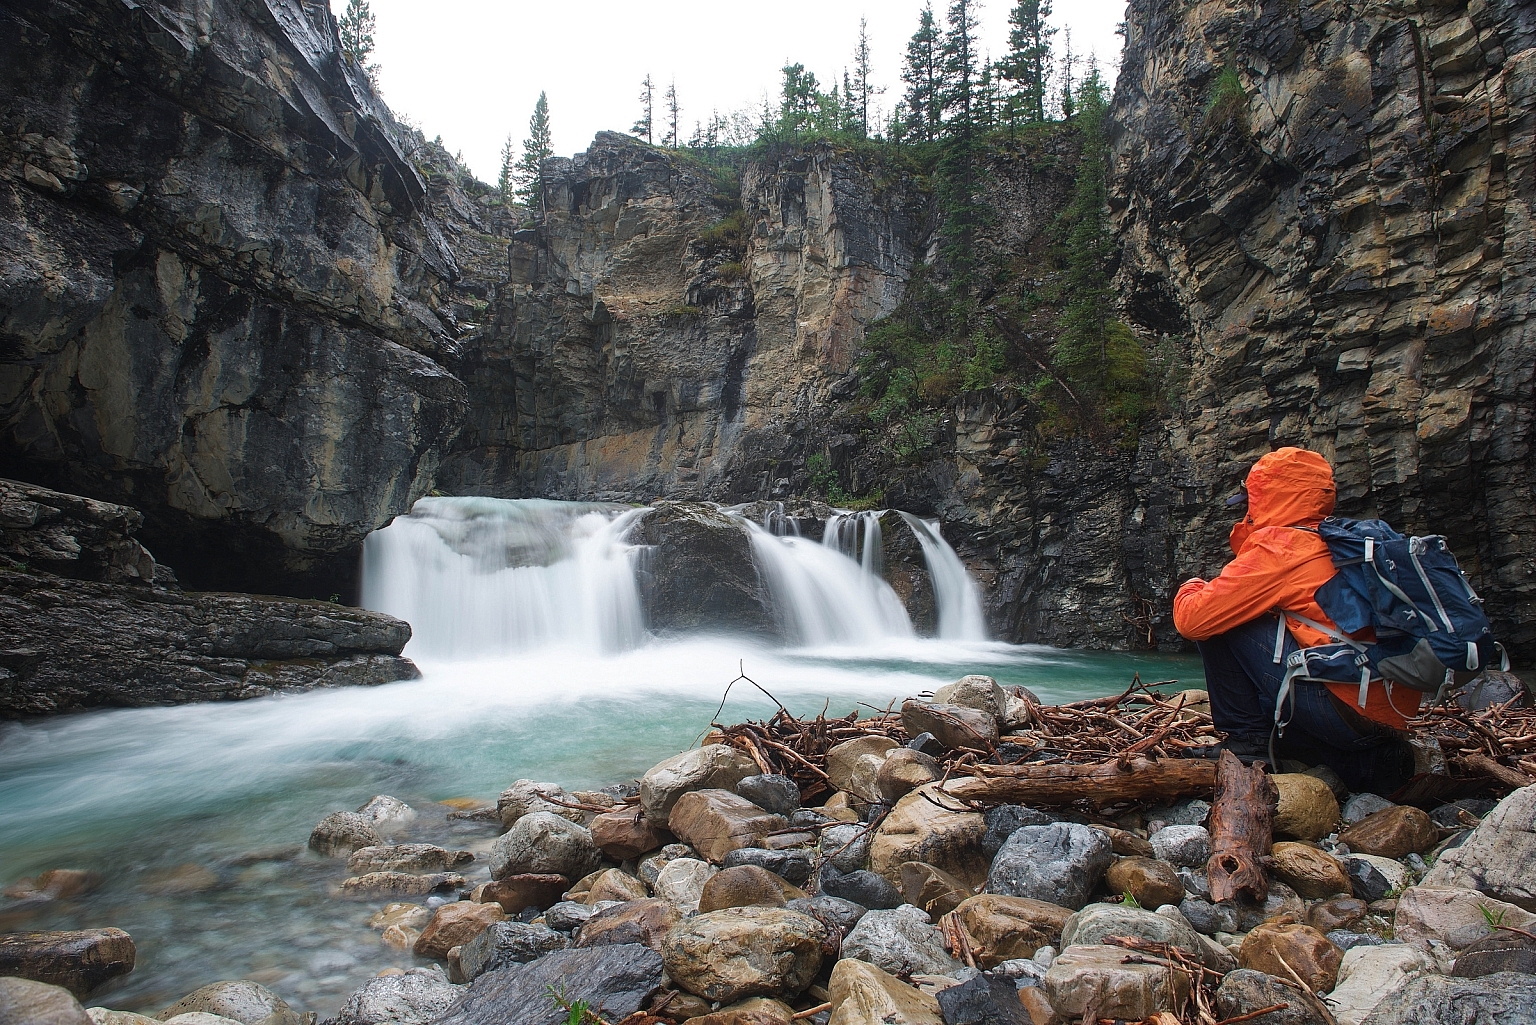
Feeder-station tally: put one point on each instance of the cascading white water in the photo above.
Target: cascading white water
(484, 576)
(954, 591)
(843, 534)
(823, 597)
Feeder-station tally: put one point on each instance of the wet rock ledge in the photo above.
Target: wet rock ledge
(92, 620)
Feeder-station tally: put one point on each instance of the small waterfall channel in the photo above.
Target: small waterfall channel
(482, 577)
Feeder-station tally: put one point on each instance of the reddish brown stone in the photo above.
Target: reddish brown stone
(1308, 952)
(717, 822)
(525, 890)
(79, 961)
(627, 833)
(454, 925)
(1394, 832)
(637, 921)
(746, 886)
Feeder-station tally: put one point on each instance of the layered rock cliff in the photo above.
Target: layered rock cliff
(219, 293)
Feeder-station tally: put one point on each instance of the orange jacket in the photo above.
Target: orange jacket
(1279, 566)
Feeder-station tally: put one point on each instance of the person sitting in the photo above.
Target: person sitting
(1240, 624)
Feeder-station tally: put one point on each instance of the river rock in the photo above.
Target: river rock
(745, 886)
(613, 885)
(840, 807)
(928, 826)
(712, 767)
(542, 842)
(932, 889)
(955, 726)
(903, 772)
(29, 1002)
(1096, 922)
(846, 847)
(1454, 916)
(626, 833)
(1372, 878)
(1060, 864)
(455, 924)
(620, 979)
(1336, 913)
(983, 1000)
(1189, 812)
(567, 915)
(387, 814)
(1362, 805)
(107, 1016)
(1002, 820)
(1153, 883)
(637, 921)
(1094, 976)
(901, 941)
(1508, 998)
(854, 765)
(751, 1011)
(1503, 951)
(241, 1000)
(979, 692)
(681, 883)
(1307, 810)
(1394, 832)
(1369, 973)
(401, 884)
(651, 867)
(1281, 900)
(1189, 846)
(793, 866)
(1463, 814)
(80, 961)
(865, 888)
(412, 916)
(1010, 928)
(1310, 872)
(63, 883)
(837, 914)
(343, 832)
(862, 994)
(527, 795)
(1245, 991)
(743, 952)
(409, 857)
(1127, 844)
(501, 944)
(775, 793)
(716, 822)
(1207, 918)
(525, 890)
(1499, 858)
(1309, 953)
(416, 996)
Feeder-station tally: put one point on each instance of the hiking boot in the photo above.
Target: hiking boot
(1245, 749)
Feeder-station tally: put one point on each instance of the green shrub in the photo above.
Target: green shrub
(1228, 102)
(727, 235)
(733, 271)
(682, 310)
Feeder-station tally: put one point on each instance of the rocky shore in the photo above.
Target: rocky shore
(706, 892)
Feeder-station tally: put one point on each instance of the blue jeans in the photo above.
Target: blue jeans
(1243, 680)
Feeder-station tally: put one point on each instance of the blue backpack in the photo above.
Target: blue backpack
(1429, 623)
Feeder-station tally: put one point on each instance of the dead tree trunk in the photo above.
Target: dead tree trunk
(1104, 783)
(1242, 830)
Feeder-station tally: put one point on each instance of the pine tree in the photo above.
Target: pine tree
(1028, 63)
(850, 117)
(506, 184)
(536, 149)
(923, 73)
(958, 164)
(1081, 352)
(1068, 63)
(356, 27)
(643, 127)
(960, 66)
(672, 112)
(800, 104)
(862, 89)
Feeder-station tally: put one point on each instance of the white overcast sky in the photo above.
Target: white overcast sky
(470, 70)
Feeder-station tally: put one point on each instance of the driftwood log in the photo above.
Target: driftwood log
(1129, 779)
(1242, 830)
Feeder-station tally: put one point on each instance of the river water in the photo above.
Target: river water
(529, 631)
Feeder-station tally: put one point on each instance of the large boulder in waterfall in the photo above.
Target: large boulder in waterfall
(903, 566)
(700, 573)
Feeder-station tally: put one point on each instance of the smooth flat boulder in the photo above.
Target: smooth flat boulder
(954, 726)
(541, 842)
(793, 866)
(1369, 973)
(638, 921)
(1010, 928)
(455, 924)
(929, 826)
(406, 857)
(620, 979)
(1499, 858)
(627, 833)
(1097, 922)
(1097, 977)
(743, 952)
(712, 767)
(613, 884)
(1508, 998)
(1503, 951)
(415, 997)
(29, 1002)
(1394, 832)
(901, 941)
(400, 884)
(1313, 873)
(239, 999)
(78, 960)
(507, 943)
(746, 886)
(854, 765)
(716, 822)
(1061, 863)
(862, 994)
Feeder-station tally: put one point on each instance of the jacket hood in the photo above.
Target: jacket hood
(1290, 487)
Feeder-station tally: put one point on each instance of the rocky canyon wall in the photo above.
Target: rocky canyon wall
(219, 293)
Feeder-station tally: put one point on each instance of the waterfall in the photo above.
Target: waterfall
(822, 595)
(955, 592)
(483, 576)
